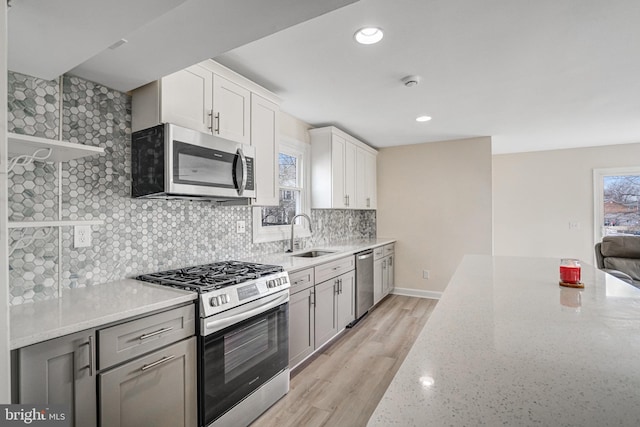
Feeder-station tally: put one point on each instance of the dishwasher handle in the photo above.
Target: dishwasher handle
(365, 255)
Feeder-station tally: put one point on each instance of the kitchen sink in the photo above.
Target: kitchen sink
(313, 254)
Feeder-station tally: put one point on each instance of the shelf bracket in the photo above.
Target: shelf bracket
(27, 159)
(27, 239)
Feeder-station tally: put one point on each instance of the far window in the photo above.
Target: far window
(617, 209)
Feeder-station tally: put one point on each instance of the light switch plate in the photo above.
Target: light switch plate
(81, 236)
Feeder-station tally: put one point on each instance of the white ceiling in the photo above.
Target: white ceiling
(47, 38)
(533, 75)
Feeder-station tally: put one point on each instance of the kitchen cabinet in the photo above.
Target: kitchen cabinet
(196, 98)
(210, 98)
(137, 372)
(301, 316)
(366, 185)
(335, 306)
(154, 390)
(342, 170)
(322, 304)
(61, 371)
(383, 271)
(334, 299)
(265, 132)
(231, 110)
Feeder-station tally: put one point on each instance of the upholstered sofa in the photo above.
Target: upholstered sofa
(620, 257)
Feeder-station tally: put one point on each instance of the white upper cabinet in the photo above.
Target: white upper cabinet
(366, 186)
(265, 131)
(210, 98)
(231, 110)
(186, 99)
(343, 171)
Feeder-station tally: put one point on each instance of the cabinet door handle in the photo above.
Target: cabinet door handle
(340, 284)
(312, 298)
(210, 127)
(90, 364)
(158, 362)
(217, 129)
(346, 200)
(153, 334)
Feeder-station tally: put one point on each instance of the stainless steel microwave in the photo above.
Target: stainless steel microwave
(172, 162)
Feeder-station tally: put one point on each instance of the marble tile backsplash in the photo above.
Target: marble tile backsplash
(138, 236)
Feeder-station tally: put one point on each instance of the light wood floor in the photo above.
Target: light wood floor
(342, 385)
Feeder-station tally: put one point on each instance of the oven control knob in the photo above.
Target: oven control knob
(271, 283)
(214, 301)
(224, 298)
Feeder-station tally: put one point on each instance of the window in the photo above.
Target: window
(272, 223)
(617, 201)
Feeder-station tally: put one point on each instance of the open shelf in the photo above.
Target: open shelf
(65, 223)
(62, 151)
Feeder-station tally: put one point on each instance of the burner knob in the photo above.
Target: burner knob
(270, 283)
(224, 298)
(214, 301)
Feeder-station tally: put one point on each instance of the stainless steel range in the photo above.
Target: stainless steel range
(243, 337)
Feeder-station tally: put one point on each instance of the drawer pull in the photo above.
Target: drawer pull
(159, 362)
(153, 334)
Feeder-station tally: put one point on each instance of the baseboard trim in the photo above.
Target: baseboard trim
(416, 293)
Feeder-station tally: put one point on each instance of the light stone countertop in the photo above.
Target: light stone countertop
(93, 306)
(506, 345)
(292, 263)
(88, 307)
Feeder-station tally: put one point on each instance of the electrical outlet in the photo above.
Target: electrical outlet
(81, 236)
(240, 227)
(425, 274)
(574, 225)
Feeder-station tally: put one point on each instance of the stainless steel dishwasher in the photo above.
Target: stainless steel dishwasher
(364, 283)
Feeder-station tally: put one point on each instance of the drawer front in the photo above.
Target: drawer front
(335, 268)
(378, 252)
(123, 342)
(389, 249)
(301, 280)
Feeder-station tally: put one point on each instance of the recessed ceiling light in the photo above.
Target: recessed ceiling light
(368, 35)
(423, 118)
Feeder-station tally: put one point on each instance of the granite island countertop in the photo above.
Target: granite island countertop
(88, 307)
(507, 346)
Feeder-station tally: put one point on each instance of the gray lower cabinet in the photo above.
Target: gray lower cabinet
(157, 390)
(335, 306)
(61, 371)
(301, 326)
(346, 300)
(325, 325)
(140, 372)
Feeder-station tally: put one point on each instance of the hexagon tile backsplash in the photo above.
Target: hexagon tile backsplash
(138, 236)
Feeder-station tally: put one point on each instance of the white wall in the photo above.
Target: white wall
(537, 194)
(293, 128)
(4, 268)
(435, 198)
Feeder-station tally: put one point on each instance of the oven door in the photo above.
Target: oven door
(241, 350)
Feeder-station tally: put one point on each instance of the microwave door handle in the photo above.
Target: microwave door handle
(243, 183)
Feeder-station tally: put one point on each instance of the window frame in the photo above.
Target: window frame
(598, 195)
(263, 234)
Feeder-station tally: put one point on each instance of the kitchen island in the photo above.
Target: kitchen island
(507, 346)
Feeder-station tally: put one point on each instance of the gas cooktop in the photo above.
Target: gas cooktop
(209, 277)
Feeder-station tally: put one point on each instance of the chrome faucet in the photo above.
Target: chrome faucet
(293, 221)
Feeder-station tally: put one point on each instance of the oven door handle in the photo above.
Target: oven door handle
(224, 321)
